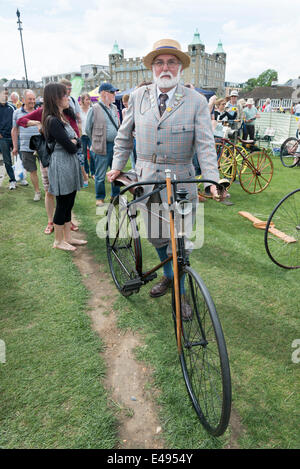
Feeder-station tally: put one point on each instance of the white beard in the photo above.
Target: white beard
(165, 83)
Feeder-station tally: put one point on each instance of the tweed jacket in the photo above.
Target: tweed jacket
(169, 141)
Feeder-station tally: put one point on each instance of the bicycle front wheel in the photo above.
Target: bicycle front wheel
(204, 360)
(290, 152)
(282, 233)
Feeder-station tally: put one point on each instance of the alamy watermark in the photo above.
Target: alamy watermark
(296, 352)
(152, 221)
(2, 351)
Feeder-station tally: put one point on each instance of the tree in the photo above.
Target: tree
(264, 79)
(250, 84)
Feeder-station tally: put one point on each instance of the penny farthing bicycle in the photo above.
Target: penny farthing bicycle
(199, 336)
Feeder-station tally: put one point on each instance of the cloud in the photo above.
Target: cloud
(254, 48)
(61, 35)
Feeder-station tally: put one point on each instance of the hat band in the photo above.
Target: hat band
(166, 47)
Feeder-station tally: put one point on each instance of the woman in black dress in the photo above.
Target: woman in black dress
(64, 173)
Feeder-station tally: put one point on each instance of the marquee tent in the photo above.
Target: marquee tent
(94, 94)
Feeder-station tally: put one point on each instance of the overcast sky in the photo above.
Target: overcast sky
(61, 35)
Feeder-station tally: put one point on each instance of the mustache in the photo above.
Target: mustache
(163, 74)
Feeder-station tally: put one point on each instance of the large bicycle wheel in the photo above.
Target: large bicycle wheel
(204, 360)
(290, 152)
(285, 250)
(123, 246)
(256, 172)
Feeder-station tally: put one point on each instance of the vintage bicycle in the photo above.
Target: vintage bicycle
(200, 339)
(290, 152)
(282, 232)
(254, 168)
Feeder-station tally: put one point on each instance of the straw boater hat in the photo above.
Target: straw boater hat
(166, 46)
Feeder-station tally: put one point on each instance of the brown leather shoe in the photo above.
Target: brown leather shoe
(186, 310)
(161, 288)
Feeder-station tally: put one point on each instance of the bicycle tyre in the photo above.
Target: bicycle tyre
(241, 154)
(256, 172)
(203, 358)
(123, 244)
(226, 161)
(286, 218)
(287, 152)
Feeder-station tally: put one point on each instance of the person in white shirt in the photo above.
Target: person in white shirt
(268, 107)
(297, 109)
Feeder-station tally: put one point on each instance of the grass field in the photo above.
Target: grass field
(51, 382)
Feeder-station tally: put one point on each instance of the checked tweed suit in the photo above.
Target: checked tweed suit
(169, 141)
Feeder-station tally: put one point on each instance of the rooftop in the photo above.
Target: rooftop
(196, 38)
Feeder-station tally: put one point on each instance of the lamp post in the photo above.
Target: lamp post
(19, 22)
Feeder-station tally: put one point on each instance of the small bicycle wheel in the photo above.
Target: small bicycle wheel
(290, 152)
(204, 360)
(283, 247)
(256, 172)
(240, 155)
(227, 162)
(123, 245)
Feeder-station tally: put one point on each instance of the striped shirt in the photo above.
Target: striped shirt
(24, 132)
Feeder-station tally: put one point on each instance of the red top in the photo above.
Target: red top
(36, 115)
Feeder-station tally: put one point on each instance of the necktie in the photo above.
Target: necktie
(162, 103)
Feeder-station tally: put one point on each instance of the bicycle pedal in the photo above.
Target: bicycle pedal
(132, 285)
(150, 277)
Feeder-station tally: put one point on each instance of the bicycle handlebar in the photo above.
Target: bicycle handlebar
(221, 186)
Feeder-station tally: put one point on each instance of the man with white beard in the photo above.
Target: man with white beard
(171, 123)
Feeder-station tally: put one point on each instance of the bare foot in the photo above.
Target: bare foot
(79, 242)
(64, 246)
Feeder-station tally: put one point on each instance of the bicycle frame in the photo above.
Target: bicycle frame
(199, 337)
(178, 251)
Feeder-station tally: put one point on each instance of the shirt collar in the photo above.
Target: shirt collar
(169, 93)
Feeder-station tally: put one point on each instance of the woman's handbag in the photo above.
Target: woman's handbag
(43, 148)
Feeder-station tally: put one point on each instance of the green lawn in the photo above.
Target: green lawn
(50, 386)
(51, 381)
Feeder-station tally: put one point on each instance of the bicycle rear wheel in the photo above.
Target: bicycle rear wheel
(290, 152)
(285, 251)
(204, 360)
(256, 172)
(123, 246)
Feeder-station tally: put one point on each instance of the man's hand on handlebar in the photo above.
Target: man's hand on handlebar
(217, 194)
(113, 174)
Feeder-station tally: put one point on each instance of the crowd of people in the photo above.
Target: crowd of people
(238, 113)
(88, 138)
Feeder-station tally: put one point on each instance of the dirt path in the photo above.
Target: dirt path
(126, 379)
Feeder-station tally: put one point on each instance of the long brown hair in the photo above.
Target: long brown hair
(53, 93)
